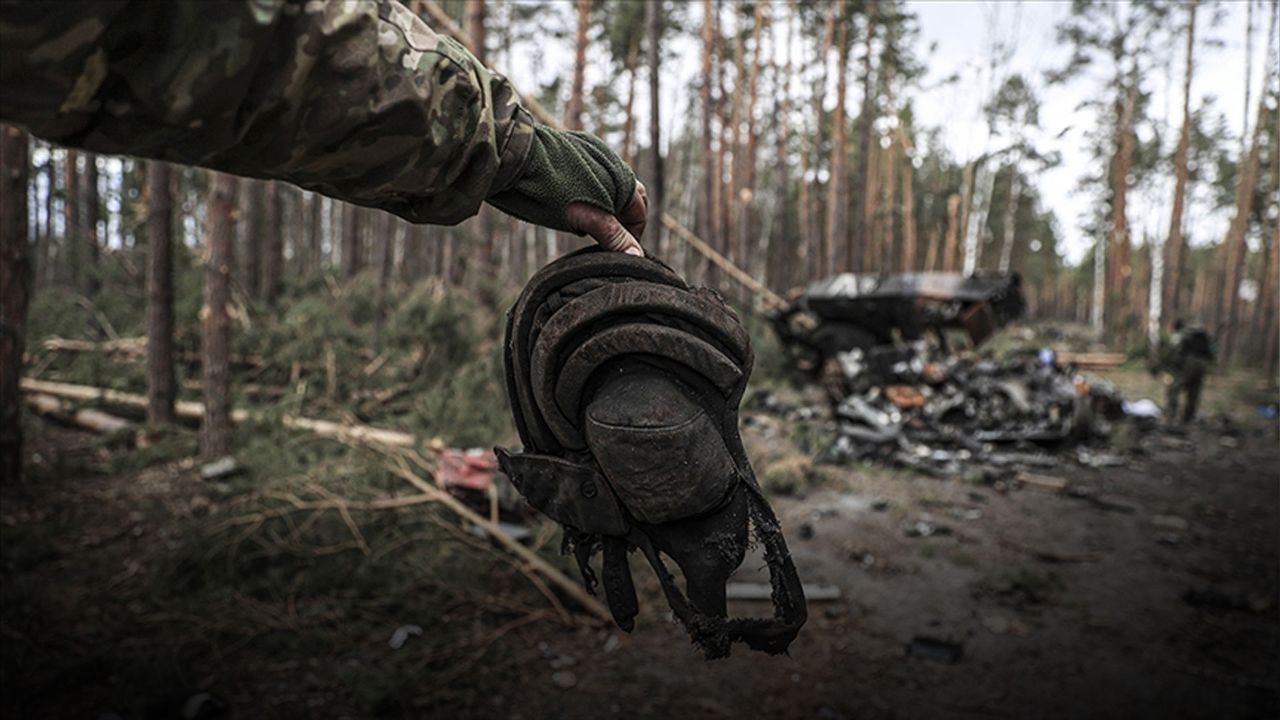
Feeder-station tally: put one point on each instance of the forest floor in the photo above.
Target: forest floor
(128, 582)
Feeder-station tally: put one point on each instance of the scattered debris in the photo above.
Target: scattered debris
(564, 679)
(402, 635)
(937, 650)
(1047, 483)
(220, 469)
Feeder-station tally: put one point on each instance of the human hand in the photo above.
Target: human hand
(620, 233)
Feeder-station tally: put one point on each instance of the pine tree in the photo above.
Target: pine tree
(215, 431)
(161, 384)
(15, 293)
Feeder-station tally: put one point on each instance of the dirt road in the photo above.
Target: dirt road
(1149, 591)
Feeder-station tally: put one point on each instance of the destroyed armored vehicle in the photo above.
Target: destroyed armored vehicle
(864, 312)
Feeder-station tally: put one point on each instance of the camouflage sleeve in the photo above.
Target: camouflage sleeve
(358, 100)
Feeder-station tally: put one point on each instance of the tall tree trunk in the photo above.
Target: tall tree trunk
(389, 229)
(837, 196)
(1264, 314)
(862, 191)
(1173, 249)
(1010, 215)
(1234, 243)
(820, 245)
(724, 172)
(272, 245)
(215, 432)
(931, 254)
(483, 222)
(785, 253)
(352, 250)
(746, 197)
(161, 385)
(315, 224)
(573, 115)
(710, 225)
(71, 234)
(951, 253)
(629, 123)
(953, 230)
(1118, 320)
(732, 201)
(653, 22)
(15, 293)
(908, 205)
(1271, 320)
(888, 166)
(92, 214)
(43, 273)
(253, 235)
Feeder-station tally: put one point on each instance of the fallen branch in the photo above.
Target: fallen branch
(195, 411)
(400, 467)
(90, 419)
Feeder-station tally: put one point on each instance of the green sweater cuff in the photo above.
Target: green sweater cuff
(564, 167)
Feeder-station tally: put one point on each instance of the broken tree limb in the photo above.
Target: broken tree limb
(87, 418)
(1090, 360)
(133, 347)
(360, 435)
(401, 468)
(443, 22)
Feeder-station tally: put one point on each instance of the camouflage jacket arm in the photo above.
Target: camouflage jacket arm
(358, 100)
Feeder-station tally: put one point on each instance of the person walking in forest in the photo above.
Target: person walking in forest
(362, 102)
(1186, 355)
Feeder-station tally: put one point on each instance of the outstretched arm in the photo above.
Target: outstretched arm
(360, 101)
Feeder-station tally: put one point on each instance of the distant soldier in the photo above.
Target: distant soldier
(360, 101)
(1186, 355)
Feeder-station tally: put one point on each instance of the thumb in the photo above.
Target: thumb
(603, 227)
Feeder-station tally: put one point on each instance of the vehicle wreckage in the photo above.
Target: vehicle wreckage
(901, 393)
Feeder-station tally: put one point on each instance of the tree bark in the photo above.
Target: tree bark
(352, 252)
(863, 193)
(71, 233)
(629, 123)
(746, 197)
(908, 206)
(483, 222)
(15, 293)
(732, 201)
(273, 245)
(949, 250)
(253, 235)
(90, 200)
(710, 225)
(1118, 320)
(1173, 250)
(1010, 215)
(785, 253)
(161, 385)
(215, 431)
(1234, 243)
(837, 195)
(653, 21)
(315, 239)
(573, 116)
(820, 244)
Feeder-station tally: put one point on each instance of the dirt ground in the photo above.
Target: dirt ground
(1148, 591)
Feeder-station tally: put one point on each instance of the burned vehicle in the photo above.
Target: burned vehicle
(866, 312)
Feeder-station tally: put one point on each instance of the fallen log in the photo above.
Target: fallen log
(87, 418)
(532, 560)
(134, 347)
(1090, 359)
(195, 411)
(358, 435)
